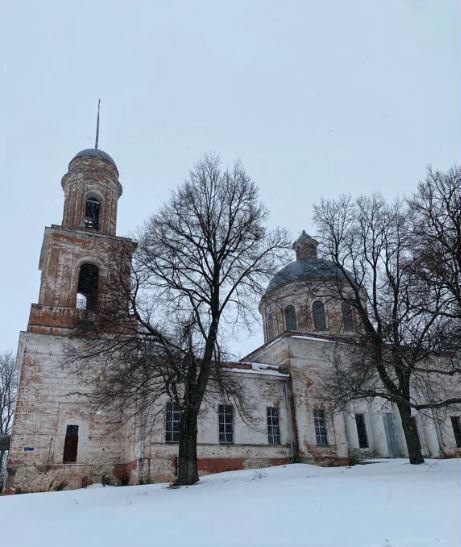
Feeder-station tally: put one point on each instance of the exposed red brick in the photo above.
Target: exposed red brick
(218, 465)
(123, 471)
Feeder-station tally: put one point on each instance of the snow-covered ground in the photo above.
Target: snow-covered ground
(385, 504)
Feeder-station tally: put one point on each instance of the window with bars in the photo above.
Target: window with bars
(273, 426)
(456, 425)
(320, 425)
(226, 424)
(173, 423)
(70, 444)
(361, 430)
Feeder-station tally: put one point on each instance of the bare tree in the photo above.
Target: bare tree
(436, 210)
(399, 316)
(200, 263)
(8, 391)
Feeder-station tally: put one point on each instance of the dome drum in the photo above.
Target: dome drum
(301, 296)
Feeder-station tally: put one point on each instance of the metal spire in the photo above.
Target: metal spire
(97, 125)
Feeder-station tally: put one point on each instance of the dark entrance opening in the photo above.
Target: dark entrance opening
(70, 444)
(361, 430)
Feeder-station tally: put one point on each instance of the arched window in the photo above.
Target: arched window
(92, 208)
(318, 311)
(87, 290)
(290, 318)
(270, 326)
(348, 318)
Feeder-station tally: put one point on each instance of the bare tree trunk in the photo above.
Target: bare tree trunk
(411, 434)
(187, 454)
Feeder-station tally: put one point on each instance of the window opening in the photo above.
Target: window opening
(290, 318)
(318, 311)
(273, 426)
(456, 425)
(348, 317)
(226, 425)
(270, 327)
(173, 423)
(361, 430)
(87, 290)
(320, 427)
(70, 444)
(92, 208)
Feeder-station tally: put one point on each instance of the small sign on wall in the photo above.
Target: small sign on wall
(28, 449)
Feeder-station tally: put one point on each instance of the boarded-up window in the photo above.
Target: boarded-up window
(273, 426)
(320, 425)
(226, 424)
(70, 444)
(92, 208)
(361, 430)
(318, 311)
(290, 318)
(173, 423)
(348, 317)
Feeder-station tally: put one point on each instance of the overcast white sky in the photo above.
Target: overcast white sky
(316, 98)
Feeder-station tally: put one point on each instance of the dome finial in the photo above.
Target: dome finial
(305, 247)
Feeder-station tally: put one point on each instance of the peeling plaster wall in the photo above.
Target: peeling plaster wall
(47, 403)
(250, 447)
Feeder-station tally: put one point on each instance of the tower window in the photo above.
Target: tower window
(318, 311)
(348, 318)
(87, 291)
(320, 425)
(290, 318)
(226, 424)
(70, 444)
(92, 208)
(361, 430)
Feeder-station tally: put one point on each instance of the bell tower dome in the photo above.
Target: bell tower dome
(91, 192)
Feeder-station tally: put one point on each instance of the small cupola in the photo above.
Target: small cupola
(91, 192)
(305, 247)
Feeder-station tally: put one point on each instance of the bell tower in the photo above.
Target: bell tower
(76, 255)
(57, 437)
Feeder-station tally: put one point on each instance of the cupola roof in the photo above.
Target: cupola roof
(96, 153)
(307, 265)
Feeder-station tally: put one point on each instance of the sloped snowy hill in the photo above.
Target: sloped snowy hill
(385, 504)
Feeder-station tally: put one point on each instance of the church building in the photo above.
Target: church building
(58, 442)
